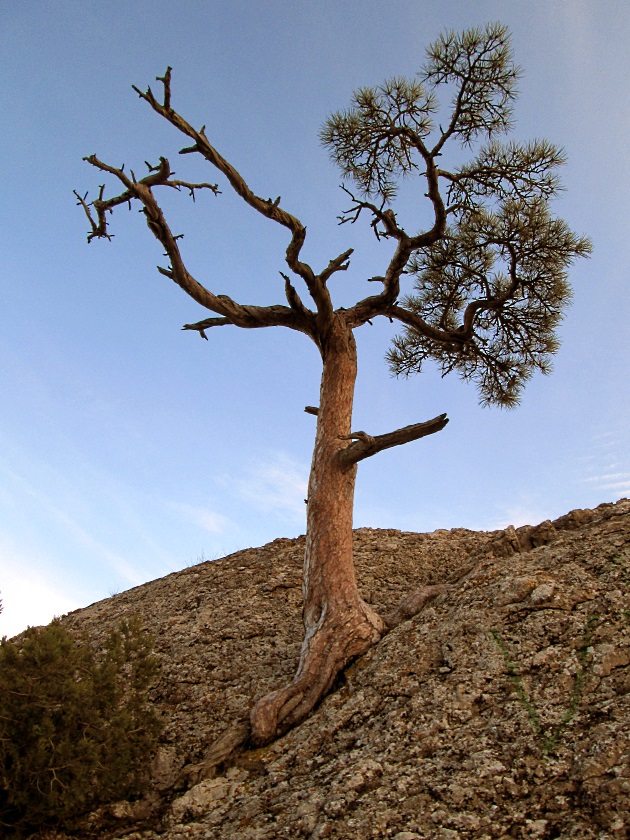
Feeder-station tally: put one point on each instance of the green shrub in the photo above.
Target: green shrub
(76, 730)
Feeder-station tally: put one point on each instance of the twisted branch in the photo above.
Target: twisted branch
(374, 305)
(266, 207)
(365, 445)
(232, 313)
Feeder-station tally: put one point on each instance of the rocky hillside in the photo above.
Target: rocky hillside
(501, 710)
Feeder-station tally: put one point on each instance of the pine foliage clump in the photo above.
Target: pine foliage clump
(76, 728)
(491, 290)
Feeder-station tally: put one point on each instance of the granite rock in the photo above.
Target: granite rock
(501, 710)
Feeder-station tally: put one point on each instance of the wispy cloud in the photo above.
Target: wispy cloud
(28, 597)
(76, 531)
(204, 517)
(517, 516)
(276, 484)
(605, 440)
(609, 477)
(578, 28)
(608, 463)
(619, 482)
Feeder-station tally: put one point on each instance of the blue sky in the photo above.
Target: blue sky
(128, 448)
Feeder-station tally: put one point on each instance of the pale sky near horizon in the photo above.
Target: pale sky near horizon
(128, 448)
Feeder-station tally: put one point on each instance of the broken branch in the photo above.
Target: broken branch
(295, 302)
(366, 445)
(341, 263)
(201, 326)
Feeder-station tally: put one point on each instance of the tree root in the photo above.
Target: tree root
(338, 638)
(413, 604)
(324, 655)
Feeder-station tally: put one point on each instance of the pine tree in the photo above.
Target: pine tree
(490, 287)
(76, 728)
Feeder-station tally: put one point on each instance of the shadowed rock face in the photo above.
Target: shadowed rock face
(501, 710)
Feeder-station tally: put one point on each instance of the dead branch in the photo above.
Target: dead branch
(366, 439)
(233, 313)
(374, 305)
(295, 302)
(202, 326)
(158, 176)
(365, 445)
(340, 263)
(269, 209)
(386, 217)
(166, 81)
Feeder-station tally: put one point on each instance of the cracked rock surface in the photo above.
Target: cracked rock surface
(501, 710)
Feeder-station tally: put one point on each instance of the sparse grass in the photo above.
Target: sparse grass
(202, 558)
(550, 736)
(622, 561)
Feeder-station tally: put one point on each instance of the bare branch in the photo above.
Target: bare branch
(295, 302)
(368, 440)
(379, 304)
(386, 217)
(202, 326)
(248, 317)
(366, 445)
(340, 263)
(158, 175)
(311, 409)
(166, 81)
(96, 228)
(192, 187)
(269, 209)
(405, 316)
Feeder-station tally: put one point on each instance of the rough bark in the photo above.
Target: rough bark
(366, 445)
(338, 624)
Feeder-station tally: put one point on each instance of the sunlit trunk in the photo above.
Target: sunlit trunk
(338, 624)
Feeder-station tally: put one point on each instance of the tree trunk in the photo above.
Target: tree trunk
(338, 624)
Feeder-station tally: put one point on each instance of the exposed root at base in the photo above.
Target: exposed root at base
(342, 636)
(413, 604)
(328, 652)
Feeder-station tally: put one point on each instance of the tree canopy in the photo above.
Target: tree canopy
(489, 293)
(489, 289)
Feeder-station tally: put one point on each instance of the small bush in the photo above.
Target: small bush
(76, 729)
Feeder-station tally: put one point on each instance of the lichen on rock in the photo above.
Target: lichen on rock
(500, 710)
